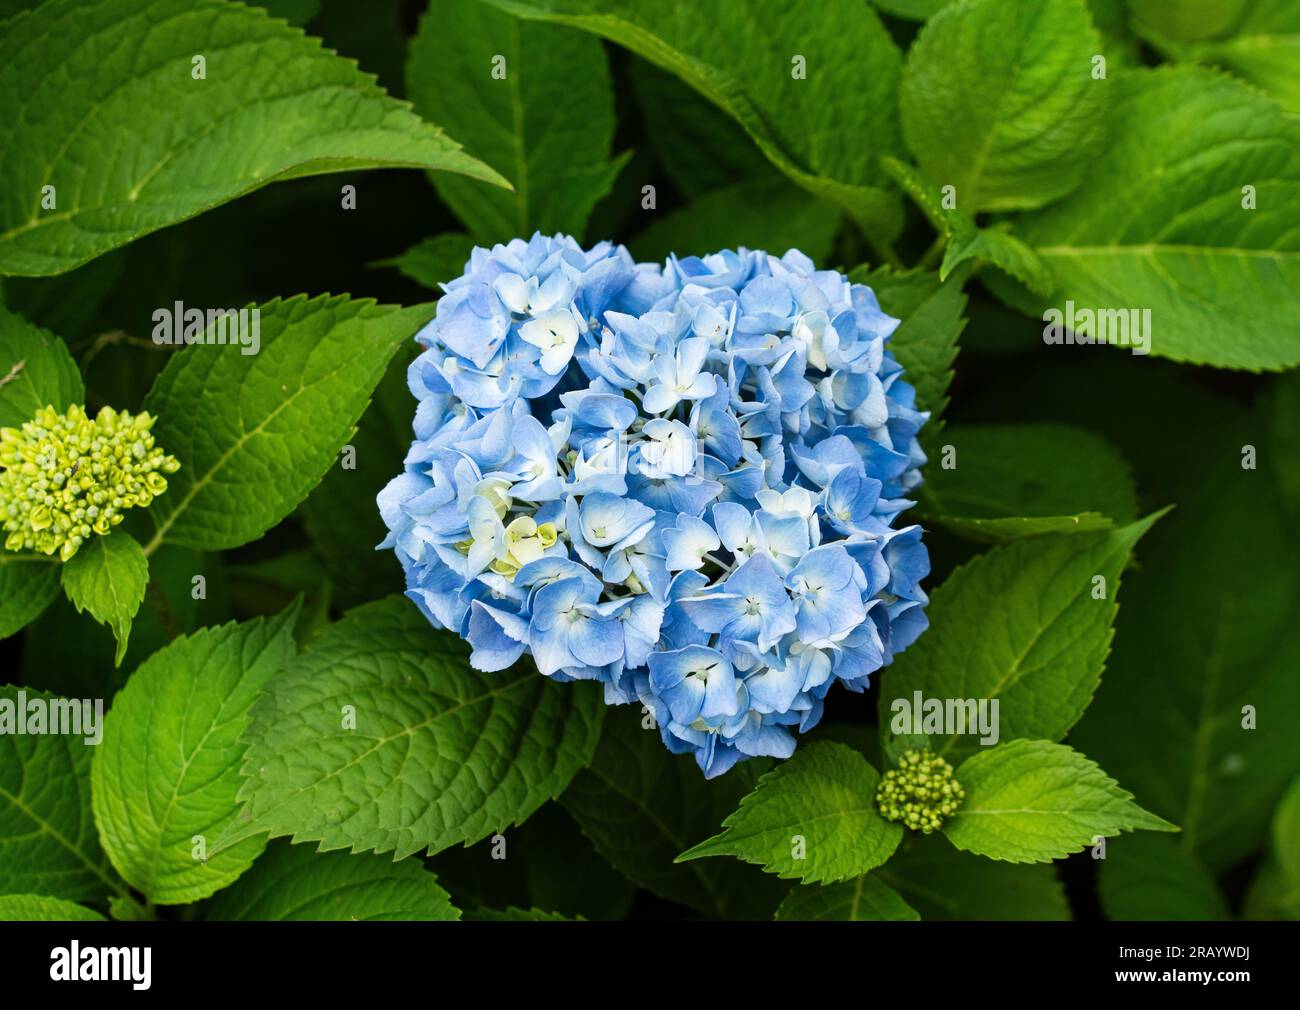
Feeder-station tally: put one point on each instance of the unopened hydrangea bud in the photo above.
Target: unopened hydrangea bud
(922, 792)
(66, 476)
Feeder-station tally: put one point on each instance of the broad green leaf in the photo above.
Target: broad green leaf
(381, 736)
(133, 137)
(1027, 624)
(1199, 713)
(743, 55)
(865, 899)
(1012, 481)
(165, 778)
(294, 882)
(47, 833)
(256, 432)
(641, 806)
(107, 577)
(534, 101)
(699, 145)
(28, 584)
(1149, 878)
(812, 817)
(932, 319)
(1166, 227)
(434, 261)
(36, 371)
(768, 214)
(40, 908)
(998, 99)
(943, 883)
(1034, 801)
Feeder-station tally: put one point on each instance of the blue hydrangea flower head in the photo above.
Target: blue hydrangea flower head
(682, 480)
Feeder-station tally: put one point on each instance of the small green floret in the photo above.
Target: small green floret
(66, 476)
(922, 792)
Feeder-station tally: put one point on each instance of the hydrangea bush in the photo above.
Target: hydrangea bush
(685, 481)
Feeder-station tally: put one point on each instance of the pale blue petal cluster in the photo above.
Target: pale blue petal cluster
(682, 481)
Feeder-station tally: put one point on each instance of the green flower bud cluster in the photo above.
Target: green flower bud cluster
(66, 476)
(922, 792)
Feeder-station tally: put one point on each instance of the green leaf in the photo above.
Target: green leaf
(296, 12)
(932, 319)
(107, 577)
(1264, 49)
(804, 126)
(127, 909)
(700, 146)
(133, 145)
(294, 882)
(544, 118)
(1209, 629)
(440, 754)
(1034, 801)
(256, 432)
(813, 817)
(943, 883)
(966, 241)
(765, 214)
(1190, 20)
(36, 371)
(165, 777)
(998, 99)
(1012, 481)
(1258, 41)
(866, 899)
(1165, 228)
(39, 908)
(47, 833)
(1149, 878)
(641, 806)
(434, 261)
(996, 245)
(28, 584)
(1021, 624)
(1271, 895)
(514, 915)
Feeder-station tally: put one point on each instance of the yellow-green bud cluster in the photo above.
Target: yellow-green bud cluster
(66, 476)
(921, 792)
